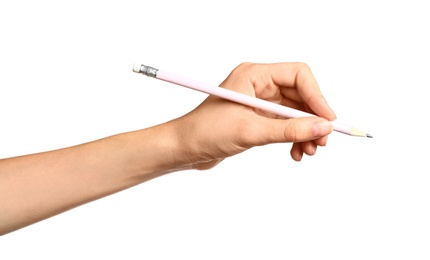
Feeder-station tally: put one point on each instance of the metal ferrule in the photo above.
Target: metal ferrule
(148, 71)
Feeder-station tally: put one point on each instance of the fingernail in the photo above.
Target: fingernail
(321, 128)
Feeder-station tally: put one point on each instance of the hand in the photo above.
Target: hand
(219, 128)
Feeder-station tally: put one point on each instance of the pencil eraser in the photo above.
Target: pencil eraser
(136, 67)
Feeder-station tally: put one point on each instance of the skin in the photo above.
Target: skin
(38, 186)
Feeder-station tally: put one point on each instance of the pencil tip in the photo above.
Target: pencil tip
(369, 136)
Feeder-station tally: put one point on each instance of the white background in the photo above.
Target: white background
(65, 79)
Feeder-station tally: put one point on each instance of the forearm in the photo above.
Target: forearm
(38, 186)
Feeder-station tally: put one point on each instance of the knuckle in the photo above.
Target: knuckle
(244, 66)
(303, 67)
(291, 133)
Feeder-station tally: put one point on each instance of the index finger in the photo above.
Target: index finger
(299, 76)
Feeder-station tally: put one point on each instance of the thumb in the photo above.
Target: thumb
(295, 130)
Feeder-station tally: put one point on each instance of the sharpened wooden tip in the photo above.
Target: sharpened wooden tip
(356, 132)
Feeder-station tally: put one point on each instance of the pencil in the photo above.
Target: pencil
(240, 98)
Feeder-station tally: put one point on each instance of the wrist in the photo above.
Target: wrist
(156, 151)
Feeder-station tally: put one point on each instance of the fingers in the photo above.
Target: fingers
(268, 130)
(298, 149)
(296, 81)
(288, 84)
(296, 152)
(309, 148)
(306, 134)
(309, 91)
(306, 129)
(300, 90)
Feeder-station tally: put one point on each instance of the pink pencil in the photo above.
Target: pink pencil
(239, 98)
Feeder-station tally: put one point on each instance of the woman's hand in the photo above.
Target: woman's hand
(219, 128)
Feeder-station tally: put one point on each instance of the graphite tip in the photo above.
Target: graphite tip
(369, 136)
